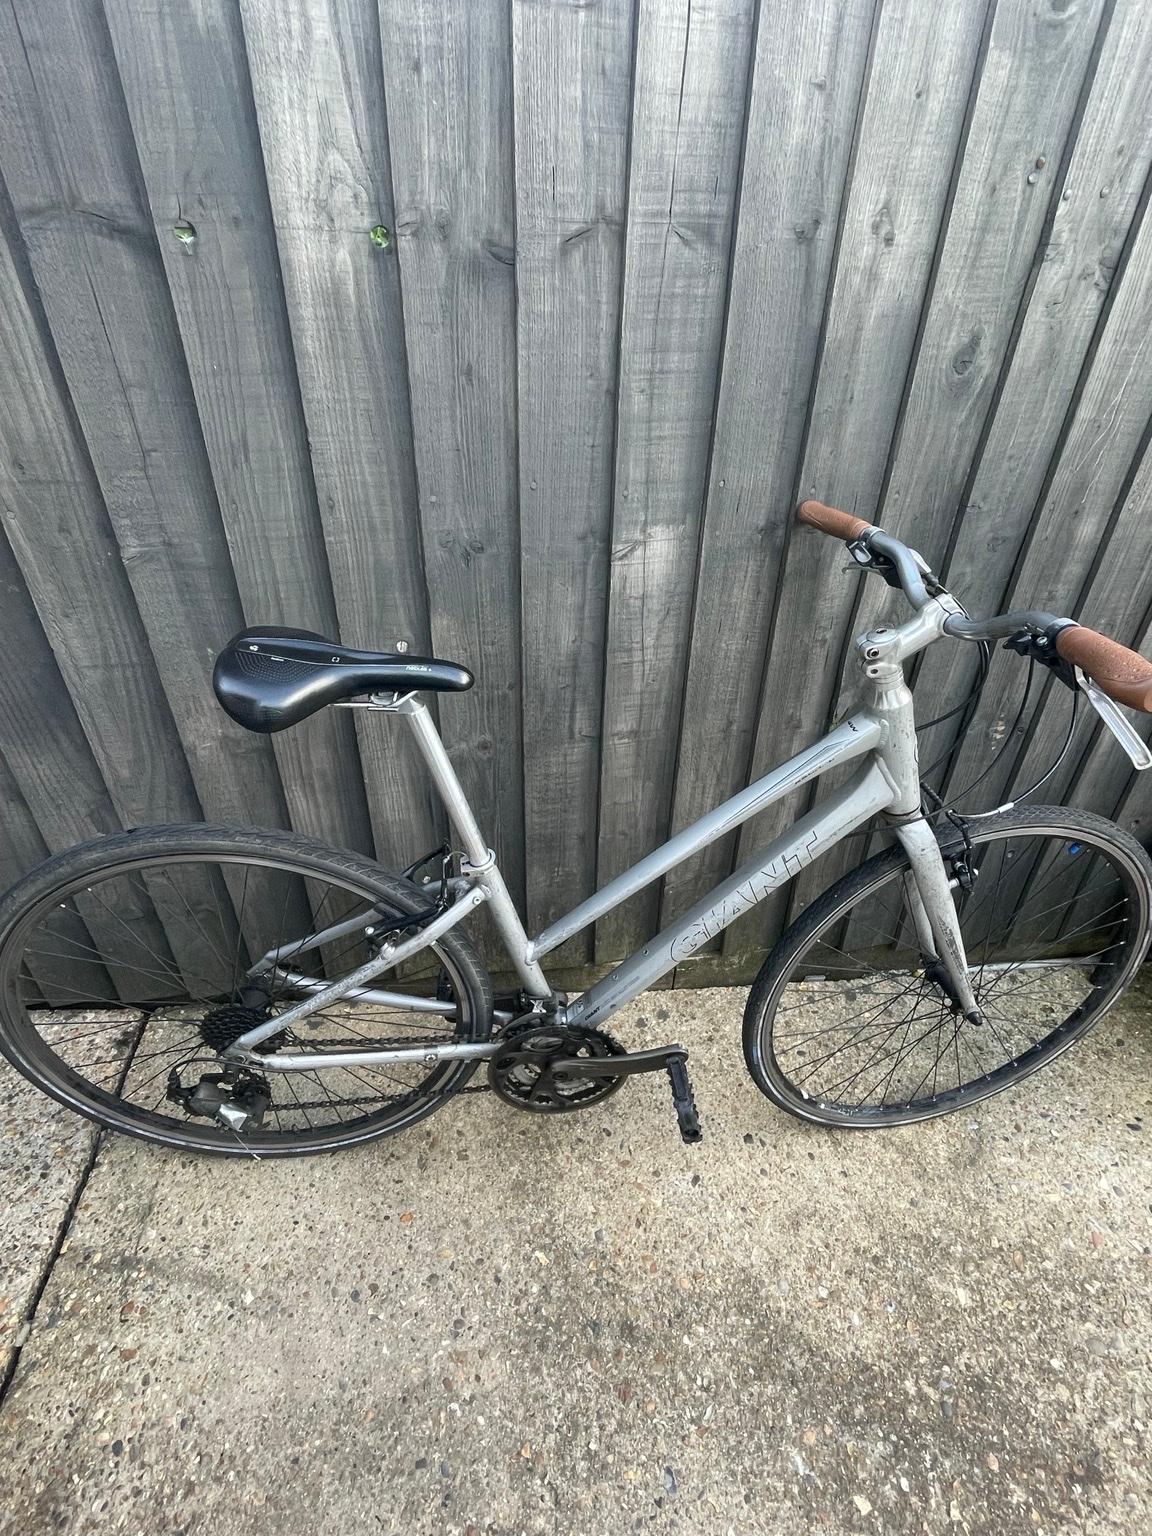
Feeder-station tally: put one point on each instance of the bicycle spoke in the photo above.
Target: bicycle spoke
(212, 946)
(868, 1042)
(216, 913)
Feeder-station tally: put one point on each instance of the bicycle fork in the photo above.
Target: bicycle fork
(927, 892)
(928, 897)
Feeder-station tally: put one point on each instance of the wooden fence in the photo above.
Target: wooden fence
(514, 331)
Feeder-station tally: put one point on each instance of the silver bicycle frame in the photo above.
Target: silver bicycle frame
(880, 736)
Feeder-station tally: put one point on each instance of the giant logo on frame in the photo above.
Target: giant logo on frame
(770, 877)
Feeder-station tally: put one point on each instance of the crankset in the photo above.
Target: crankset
(555, 1069)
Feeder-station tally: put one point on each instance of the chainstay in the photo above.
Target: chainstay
(359, 1043)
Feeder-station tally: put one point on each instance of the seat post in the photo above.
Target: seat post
(481, 862)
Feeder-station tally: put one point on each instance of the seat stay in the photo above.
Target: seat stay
(390, 956)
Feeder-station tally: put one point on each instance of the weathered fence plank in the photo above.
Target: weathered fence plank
(46, 748)
(1103, 780)
(319, 100)
(896, 201)
(56, 521)
(70, 166)
(1079, 518)
(21, 848)
(571, 79)
(513, 330)
(806, 85)
(51, 791)
(1032, 73)
(1029, 86)
(447, 75)
(1099, 196)
(186, 86)
(687, 127)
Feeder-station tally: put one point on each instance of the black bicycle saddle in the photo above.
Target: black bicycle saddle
(270, 678)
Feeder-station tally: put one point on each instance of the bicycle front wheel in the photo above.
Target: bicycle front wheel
(127, 965)
(846, 1025)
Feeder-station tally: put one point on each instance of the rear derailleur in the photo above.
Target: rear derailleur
(555, 1069)
(236, 1098)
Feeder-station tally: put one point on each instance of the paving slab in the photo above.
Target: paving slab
(44, 1156)
(498, 1324)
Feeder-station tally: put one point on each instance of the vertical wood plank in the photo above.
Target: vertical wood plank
(70, 167)
(910, 129)
(688, 111)
(52, 511)
(22, 846)
(21, 849)
(44, 741)
(447, 75)
(319, 95)
(571, 84)
(61, 786)
(186, 86)
(1037, 55)
(1098, 200)
(51, 792)
(809, 64)
(1065, 548)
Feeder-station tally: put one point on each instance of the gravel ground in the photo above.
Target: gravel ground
(498, 1325)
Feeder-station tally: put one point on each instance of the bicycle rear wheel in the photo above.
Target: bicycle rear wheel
(845, 1026)
(124, 970)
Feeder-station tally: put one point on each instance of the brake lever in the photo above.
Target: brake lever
(1137, 749)
(865, 559)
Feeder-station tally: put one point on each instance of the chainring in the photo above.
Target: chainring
(522, 1072)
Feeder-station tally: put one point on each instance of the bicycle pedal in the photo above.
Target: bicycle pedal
(682, 1098)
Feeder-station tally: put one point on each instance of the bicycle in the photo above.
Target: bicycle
(178, 983)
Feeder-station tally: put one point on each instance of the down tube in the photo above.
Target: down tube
(867, 792)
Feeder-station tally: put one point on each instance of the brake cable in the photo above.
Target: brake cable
(939, 806)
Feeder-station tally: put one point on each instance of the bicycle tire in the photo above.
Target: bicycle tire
(134, 854)
(836, 906)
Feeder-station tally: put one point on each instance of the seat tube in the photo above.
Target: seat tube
(479, 860)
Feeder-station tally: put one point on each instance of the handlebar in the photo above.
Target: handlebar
(1124, 675)
(910, 570)
(830, 520)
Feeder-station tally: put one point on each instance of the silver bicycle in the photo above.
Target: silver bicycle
(256, 993)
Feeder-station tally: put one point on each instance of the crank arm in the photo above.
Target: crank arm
(622, 1066)
(672, 1058)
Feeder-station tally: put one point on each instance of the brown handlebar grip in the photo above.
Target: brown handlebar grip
(1123, 675)
(830, 520)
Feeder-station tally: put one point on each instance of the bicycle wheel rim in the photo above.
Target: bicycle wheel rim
(1105, 972)
(25, 1045)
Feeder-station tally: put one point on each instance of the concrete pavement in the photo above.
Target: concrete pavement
(498, 1325)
